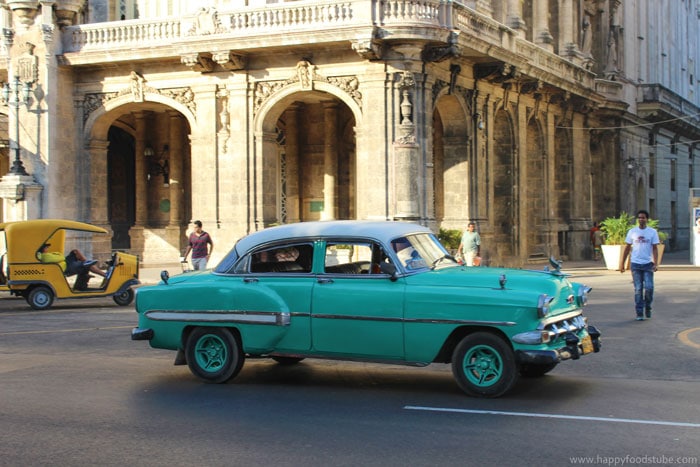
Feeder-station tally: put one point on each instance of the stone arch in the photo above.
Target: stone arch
(98, 121)
(271, 109)
(319, 138)
(144, 201)
(505, 181)
(451, 138)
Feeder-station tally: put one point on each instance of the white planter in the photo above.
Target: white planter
(613, 253)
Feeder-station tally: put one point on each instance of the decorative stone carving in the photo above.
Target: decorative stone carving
(94, 101)
(136, 86)
(201, 62)
(369, 49)
(27, 64)
(207, 22)
(24, 11)
(442, 52)
(230, 61)
(66, 11)
(306, 75)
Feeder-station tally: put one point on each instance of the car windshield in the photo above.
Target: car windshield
(421, 251)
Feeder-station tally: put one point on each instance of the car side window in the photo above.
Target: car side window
(353, 258)
(282, 259)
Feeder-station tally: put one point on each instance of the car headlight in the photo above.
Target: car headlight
(543, 305)
(532, 337)
(583, 292)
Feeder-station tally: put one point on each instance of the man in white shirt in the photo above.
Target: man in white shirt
(643, 241)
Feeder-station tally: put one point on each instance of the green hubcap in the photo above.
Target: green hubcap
(483, 366)
(211, 353)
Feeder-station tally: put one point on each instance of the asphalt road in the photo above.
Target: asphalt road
(75, 390)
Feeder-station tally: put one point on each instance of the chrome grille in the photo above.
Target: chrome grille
(574, 324)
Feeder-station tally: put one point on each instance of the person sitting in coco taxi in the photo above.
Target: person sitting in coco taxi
(71, 264)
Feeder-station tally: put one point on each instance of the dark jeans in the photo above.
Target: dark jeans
(73, 266)
(643, 277)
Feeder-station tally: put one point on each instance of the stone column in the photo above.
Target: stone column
(141, 170)
(514, 17)
(264, 183)
(567, 26)
(99, 196)
(330, 159)
(294, 195)
(543, 38)
(407, 153)
(176, 172)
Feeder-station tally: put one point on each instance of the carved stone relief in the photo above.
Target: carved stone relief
(306, 74)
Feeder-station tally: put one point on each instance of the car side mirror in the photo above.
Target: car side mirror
(388, 268)
(164, 276)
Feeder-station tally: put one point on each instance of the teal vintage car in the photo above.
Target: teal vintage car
(370, 291)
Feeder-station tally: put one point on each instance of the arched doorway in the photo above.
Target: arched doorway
(535, 189)
(450, 162)
(505, 185)
(139, 174)
(308, 160)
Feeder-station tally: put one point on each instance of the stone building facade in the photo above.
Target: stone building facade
(533, 118)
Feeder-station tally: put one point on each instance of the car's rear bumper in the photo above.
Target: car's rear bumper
(138, 334)
(572, 350)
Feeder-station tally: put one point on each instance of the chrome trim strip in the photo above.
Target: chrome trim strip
(212, 316)
(284, 318)
(415, 320)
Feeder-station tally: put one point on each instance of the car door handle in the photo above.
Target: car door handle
(325, 280)
(250, 279)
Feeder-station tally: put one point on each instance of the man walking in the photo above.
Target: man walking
(470, 246)
(643, 241)
(201, 245)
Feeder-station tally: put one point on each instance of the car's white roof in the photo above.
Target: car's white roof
(384, 231)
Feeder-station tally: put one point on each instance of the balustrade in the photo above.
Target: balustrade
(302, 16)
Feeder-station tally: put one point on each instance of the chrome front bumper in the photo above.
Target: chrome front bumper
(572, 350)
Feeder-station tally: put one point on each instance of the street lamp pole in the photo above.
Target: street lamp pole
(11, 95)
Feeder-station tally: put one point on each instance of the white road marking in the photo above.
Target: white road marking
(559, 416)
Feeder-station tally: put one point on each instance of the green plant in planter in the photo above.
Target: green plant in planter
(615, 228)
(654, 224)
(450, 238)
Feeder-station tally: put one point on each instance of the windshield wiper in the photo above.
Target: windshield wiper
(441, 258)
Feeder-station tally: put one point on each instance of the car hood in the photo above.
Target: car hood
(520, 285)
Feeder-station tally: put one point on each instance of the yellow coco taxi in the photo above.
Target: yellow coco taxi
(33, 266)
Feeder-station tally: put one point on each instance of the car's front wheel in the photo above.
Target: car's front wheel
(40, 298)
(484, 365)
(214, 354)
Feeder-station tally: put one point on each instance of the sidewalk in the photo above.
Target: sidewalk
(672, 261)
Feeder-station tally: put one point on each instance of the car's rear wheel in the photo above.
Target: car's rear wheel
(214, 354)
(287, 360)
(40, 298)
(124, 298)
(484, 365)
(530, 370)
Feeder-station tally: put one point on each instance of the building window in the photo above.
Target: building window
(673, 175)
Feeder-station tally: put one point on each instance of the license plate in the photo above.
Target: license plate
(587, 344)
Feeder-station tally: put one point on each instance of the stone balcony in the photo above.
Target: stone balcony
(656, 103)
(363, 23)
